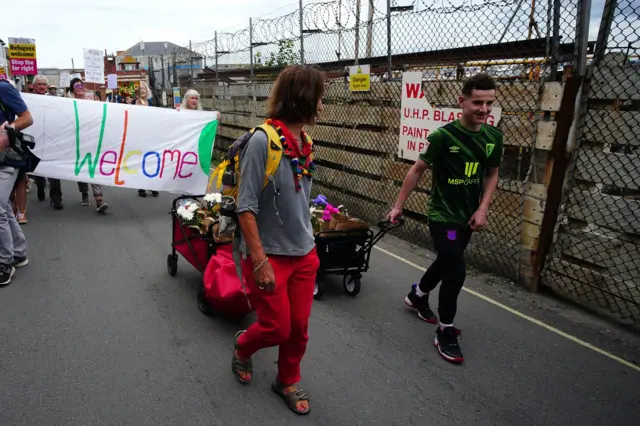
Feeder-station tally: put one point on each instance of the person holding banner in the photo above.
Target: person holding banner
(55, 191)
(280, 262)
(146, 96)
(76, 88)
(191, 101)
(146, 99)
(13, 244)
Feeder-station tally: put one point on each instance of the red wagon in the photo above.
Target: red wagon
(221, 289)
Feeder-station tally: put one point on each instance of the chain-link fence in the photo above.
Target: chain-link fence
(530, 48)
(596, 260)
(521, 44)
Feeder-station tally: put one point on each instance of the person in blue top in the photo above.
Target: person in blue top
(14, 116)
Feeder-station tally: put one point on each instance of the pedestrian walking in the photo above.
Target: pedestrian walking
(145, 99)
(40, 86)
(279, 260)
(76, 88)
(464, 156)
(14, 117)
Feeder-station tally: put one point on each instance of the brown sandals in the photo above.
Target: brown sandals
(292, 398)
(238, 366)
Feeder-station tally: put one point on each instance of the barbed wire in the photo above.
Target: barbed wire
(330, 17)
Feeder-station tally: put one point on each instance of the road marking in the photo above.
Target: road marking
(523, 316)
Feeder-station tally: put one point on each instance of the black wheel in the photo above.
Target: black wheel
(203, 305)
(351, 285)
(317, 290)
(172, 264)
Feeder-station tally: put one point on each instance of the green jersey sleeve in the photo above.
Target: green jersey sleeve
(432, 152)
(495, 158)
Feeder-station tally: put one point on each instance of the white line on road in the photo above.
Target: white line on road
(524, 316)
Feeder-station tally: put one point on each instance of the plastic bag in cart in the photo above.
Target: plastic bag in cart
(222, 286)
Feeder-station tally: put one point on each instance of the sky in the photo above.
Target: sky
(63, 28)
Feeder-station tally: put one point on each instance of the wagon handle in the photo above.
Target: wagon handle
(386, 226)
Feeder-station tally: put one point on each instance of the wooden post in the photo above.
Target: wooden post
(546, 188)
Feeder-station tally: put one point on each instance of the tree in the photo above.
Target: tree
(286, 55)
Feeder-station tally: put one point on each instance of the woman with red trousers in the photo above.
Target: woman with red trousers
(279, 260)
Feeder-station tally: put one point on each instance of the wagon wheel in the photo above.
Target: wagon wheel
(351, 285)
(318, 290)
(203, 304)
(172, 264)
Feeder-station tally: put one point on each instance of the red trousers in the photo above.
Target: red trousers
(283, 316)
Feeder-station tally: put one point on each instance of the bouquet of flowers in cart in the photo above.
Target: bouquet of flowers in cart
(326, 217)
(201, 214)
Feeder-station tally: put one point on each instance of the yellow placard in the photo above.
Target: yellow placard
(22, 51)
(2, 72)
(360, 78)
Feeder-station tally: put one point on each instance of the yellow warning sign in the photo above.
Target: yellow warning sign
(360, 78)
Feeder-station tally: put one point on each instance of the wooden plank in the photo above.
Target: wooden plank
(517, 130)
(356, 161)
(552, 96)
(353, 183)
(620, 257)
(396, 171)
(622, 171)
(244, 90)
(230, 132)
(373, 141)
(612, 127)
(609, 211)
(517, 96)
(615, 82)
(380, 91)
(240, 105)
(546, 133)
(244, 121)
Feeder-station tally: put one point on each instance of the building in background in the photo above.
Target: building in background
(166, 63)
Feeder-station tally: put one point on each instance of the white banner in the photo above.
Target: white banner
(93, 66)
(122, 145)
(418, 118)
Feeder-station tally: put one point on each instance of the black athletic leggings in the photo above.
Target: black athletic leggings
(450, 241)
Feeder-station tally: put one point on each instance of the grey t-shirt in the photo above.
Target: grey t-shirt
(284, 220)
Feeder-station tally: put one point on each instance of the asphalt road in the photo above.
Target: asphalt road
(95, 332)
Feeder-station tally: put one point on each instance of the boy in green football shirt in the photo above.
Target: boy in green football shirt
(464, 156)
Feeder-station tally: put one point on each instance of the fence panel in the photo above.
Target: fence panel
(524, 46)
(596, 260)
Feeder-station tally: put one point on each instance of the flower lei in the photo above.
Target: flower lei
(301, 162)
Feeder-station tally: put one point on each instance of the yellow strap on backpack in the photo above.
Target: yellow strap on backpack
(274, 154)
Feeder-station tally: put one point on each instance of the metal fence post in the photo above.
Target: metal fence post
(191, 61)
(251, 49)
(301, 34)
(357, 28)
(389, 65)
(253, 91)
(215, 38)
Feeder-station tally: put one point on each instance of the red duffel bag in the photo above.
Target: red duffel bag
(222, 288)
